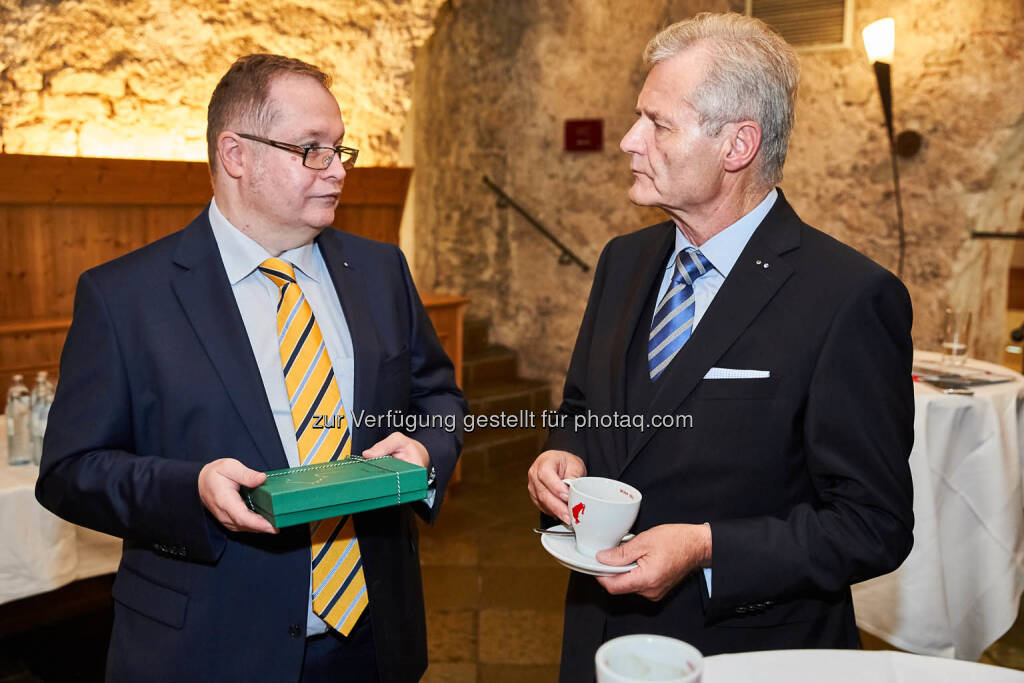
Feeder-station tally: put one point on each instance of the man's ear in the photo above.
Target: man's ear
(231, 154)
(744, 138)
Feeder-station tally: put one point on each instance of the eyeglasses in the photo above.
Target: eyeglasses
(316, 158)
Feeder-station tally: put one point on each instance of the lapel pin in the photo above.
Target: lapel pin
(345, 263)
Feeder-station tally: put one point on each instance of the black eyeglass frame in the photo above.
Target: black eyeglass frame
(339, 151)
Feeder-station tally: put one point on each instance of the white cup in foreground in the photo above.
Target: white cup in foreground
(602, 512)
(643, 657)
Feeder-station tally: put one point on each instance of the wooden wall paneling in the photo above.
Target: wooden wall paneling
(1015, 288)
(373, 221)
(446, 313)
(76, 235)
(60, 216)
(163, 220)
(47, 247)
(26, 348)
(376, 186)
(31, 264)
(33, 179)
(39, 292)
(14, 254)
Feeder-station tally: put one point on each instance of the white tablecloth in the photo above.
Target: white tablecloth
(848, 666)
(960, 588)
(39, 551)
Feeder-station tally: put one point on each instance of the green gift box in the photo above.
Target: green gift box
(309, 493)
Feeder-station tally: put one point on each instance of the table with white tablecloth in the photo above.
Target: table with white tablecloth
(848, 666)
(960, 588)
(40, 552)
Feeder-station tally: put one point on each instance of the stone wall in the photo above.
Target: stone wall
(493, 87)
(496, 81)
(490, 93)
(133, 78)
(951, 74)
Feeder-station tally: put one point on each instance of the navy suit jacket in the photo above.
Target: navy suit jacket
(157, 379)
(803, 475)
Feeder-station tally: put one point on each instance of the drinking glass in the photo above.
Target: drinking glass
(956, 330)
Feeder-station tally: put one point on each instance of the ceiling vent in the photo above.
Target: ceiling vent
(807, 24)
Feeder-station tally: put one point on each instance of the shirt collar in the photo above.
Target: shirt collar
(724, 249)
(242, 255)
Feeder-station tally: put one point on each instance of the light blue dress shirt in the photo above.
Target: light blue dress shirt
(722, 251)
(257, 298)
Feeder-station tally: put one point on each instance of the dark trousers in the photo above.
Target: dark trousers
(332, 657)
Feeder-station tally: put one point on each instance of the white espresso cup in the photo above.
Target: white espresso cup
(601, 512)
(643, 657)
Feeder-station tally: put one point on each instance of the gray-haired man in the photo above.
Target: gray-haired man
(790, 351)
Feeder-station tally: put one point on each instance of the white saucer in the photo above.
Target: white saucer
(563, 549)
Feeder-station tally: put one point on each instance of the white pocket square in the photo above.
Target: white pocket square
(734, 373)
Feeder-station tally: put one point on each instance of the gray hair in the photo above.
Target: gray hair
(752, 76)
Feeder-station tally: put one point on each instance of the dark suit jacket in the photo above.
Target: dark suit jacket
(158, 379)
(803, 476)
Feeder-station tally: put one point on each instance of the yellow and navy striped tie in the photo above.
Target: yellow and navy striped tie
(339, 587)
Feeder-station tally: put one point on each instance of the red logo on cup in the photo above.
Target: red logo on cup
(577, 512)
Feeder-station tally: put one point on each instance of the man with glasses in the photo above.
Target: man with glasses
(202, 360)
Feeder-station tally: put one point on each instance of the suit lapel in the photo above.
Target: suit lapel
(636, 286)
(349, 279)
(749, 287)
(647, 268)
(204, 292)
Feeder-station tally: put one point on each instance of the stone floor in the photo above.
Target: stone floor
(494, 596)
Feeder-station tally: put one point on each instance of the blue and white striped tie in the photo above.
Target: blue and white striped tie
(673, 318)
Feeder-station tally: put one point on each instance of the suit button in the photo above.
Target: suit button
(295, 631)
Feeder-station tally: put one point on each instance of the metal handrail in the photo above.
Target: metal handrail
(999, 235)
(566, 256)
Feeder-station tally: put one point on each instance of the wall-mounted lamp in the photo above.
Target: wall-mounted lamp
(880, 43)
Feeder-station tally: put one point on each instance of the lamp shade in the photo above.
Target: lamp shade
(880, 40)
